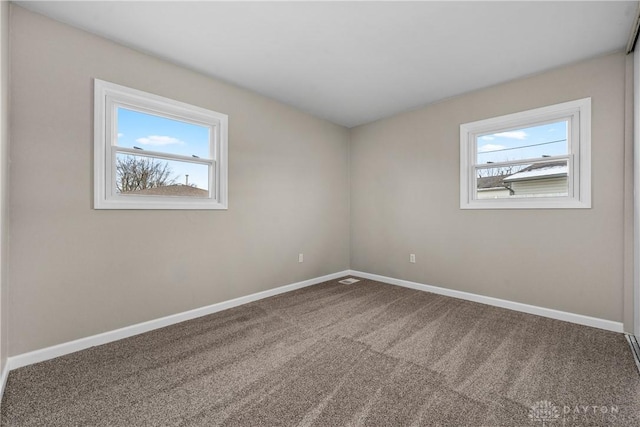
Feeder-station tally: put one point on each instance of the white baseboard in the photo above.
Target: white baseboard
(41, 355)
(580, 319)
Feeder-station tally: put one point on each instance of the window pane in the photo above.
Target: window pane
(156, 133)
(526, 143)
(150, 176)
(544, 179)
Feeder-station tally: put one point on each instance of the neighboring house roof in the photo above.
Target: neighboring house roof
(171, 190)
(536, 171)
(540, 171)
(490, 182)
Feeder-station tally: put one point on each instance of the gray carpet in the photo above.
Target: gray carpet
(366, 354)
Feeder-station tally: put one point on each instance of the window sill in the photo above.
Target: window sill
(530, 203)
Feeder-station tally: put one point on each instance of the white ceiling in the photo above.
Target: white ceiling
(355, 62)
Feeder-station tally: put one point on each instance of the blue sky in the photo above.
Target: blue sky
(525, 143)
(155, 133)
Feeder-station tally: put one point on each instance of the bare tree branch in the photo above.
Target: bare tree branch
(137, 173)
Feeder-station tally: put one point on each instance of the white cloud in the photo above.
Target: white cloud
(516, 134)
(120, 135)
(490, 147)
(487, 138)
(159, 140)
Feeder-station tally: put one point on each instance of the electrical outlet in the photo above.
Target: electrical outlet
(300, 257)
(412, 258)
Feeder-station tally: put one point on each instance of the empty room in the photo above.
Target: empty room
(319, 213)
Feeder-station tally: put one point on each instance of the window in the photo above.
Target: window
(533, 159)
(152, 152)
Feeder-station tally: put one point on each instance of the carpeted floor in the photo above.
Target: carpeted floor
(366, 354)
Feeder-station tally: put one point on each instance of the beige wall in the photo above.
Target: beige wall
(4, 165)
(405, 199)
(76, 271)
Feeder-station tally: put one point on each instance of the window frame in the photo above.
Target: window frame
(108, 97)
(578, 115)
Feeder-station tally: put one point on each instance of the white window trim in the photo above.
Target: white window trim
(107, 97)
(577, 112)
